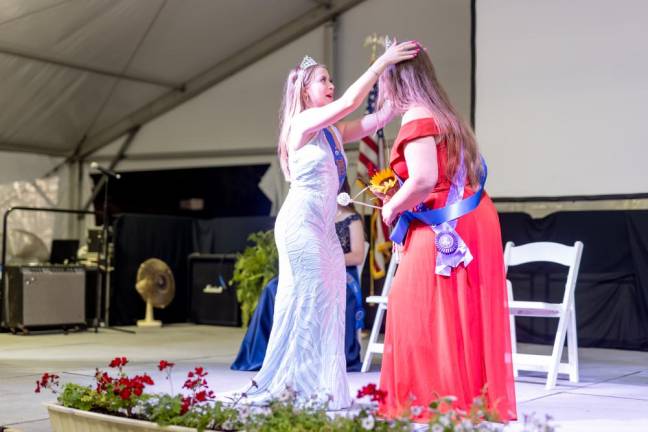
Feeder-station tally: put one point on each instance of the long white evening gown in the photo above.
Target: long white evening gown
(306, 345)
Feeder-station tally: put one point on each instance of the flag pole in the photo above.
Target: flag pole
(373, 41)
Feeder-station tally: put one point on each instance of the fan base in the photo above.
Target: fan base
(147, 323)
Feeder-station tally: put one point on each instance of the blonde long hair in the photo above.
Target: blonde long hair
(292, 104)
(414, 82)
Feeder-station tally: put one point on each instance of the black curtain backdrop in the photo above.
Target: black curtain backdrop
(612, 287)
(224, 191)
(611, 292)
(171, 239)
(230, 194)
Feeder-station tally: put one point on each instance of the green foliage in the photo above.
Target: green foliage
(253, 269)
(166, 410)
(88, 399)
(289, 413)
(78, 397)
(283, 417)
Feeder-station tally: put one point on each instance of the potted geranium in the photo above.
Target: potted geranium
(120, 399)
(121, 402)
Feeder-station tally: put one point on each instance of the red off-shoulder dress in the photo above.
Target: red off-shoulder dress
(447, 335)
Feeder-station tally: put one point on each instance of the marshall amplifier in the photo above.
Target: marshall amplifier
(213, 301)
(43, 296)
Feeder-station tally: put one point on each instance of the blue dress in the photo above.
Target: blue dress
(255, 342)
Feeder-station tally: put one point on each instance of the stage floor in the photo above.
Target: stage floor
(612, 394)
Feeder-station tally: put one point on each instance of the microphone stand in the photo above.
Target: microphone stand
(105, 262)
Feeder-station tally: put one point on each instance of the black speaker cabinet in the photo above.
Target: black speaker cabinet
(213, 301)
(43, 296)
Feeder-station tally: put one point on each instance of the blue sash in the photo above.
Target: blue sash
(338, 157)
(440, 215)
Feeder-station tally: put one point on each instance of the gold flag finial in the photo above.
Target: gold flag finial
(373, 41)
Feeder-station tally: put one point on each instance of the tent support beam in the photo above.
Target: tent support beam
(15, 52)
(207, 154)
(25, 147)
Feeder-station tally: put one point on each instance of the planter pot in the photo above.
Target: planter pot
(65, 419)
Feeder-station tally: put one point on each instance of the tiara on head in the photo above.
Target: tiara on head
(307, 62)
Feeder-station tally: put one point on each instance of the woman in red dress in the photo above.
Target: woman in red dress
(447, 329)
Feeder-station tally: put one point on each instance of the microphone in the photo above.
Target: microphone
(106, 171)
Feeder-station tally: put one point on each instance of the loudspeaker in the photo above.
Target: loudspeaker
(91, 283)
(40, 296)
(213, 301)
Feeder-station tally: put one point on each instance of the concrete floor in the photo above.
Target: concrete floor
(612, 394)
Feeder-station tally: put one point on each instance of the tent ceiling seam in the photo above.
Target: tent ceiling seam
(124, 69)
(10, 20)
(220, 71)
(85, 68)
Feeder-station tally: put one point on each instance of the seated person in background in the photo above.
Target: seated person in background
(348, 225)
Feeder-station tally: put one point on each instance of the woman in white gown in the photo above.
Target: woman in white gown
(306, 346)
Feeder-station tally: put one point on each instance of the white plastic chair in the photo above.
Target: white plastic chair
(373, 346)
(565, 311)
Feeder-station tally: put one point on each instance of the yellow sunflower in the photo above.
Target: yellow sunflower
(383, 181)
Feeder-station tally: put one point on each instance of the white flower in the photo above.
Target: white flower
(244, 412)
(228, 425)
(416, 411)
(467, 425)
(445, 421)
(436, 428)
(368, 423)
(285, 395)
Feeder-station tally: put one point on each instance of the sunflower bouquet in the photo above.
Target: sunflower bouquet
(383, 184)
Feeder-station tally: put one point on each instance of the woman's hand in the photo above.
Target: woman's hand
(399, 52)
(381, 196)
(386, 113)
(388, 214)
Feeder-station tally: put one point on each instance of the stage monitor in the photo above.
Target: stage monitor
(64, 251)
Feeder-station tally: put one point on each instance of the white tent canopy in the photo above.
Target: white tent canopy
(193, 82)
(79, 73)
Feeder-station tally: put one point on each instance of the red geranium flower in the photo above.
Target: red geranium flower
(373, 392)
(125, 393)
(118, 362)
(165, 364)
(47, 380)
(186, 402)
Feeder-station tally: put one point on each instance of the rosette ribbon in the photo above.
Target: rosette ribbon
(452, 249)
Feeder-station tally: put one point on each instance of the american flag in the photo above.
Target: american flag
(370, 151)
(370, 160)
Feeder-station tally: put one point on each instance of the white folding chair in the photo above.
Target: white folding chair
(373, 346)
(565, 311)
